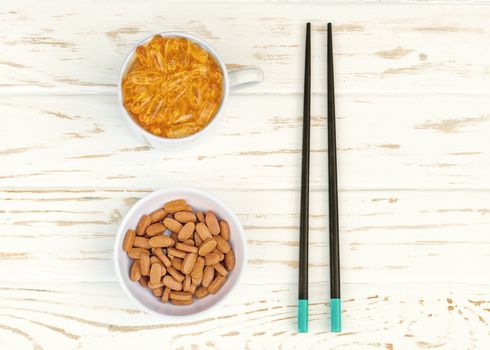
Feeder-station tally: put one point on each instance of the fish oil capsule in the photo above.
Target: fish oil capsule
(174, 87)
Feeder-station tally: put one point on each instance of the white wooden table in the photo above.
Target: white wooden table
(413, 88)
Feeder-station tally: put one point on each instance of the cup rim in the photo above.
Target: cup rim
(239, 267)
(211, 124)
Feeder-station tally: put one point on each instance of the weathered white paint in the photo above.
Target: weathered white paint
(394, 141)
(384, 49)
(414, 164)
(376, 316)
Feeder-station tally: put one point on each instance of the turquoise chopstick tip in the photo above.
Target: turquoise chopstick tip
(302, 315)
(335, 315)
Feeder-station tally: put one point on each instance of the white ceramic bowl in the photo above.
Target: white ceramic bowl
(143, 297)
(231, 80)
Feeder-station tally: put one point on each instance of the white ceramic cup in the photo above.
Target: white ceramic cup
(231, 80)
(143, 297)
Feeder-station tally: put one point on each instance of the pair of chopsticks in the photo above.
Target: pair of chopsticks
(335, 305)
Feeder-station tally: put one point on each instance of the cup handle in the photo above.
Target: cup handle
(245, 76)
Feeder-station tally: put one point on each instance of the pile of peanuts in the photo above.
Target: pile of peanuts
(193, 261)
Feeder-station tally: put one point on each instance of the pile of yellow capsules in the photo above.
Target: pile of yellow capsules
(174, 87)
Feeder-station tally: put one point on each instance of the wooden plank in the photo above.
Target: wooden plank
(64, 47)
(432, 142)
(377, 316)
(386, 236)
(412, 86)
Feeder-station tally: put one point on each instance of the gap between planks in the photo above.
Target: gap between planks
(89, 189)
(113, 92)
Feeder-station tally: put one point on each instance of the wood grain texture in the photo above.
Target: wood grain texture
(377, 316)
(396, 142)
(380, 240)
(402, 48)
(413, 126)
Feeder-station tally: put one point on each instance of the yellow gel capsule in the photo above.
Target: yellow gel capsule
(198, 53)
(157, 43)
(182, 119)
(174, 87)
(143, 56)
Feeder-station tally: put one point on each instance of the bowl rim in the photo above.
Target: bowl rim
(239, 267)
(212, 122)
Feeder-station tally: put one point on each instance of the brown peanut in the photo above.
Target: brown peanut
(216, 285)
(155, 273)
(160, 241)
(135, 274)
(189, 242)
(158, 292)
(177, 263)
(225, 230)
(157, 261)
(197, 239)
(212, 259)
(230, 260)
(172, 224)
(172, 283)
(166, 294)
(141, 242)
(207, 276)
(175, 252)
(158, 252)
(144, 222)
(162, 268)
(197, 271)
(201, 292)
(177, 295)
(220, 254)
(203, 231)
(212, 223)
(175, 206)
(220, 269)
(134, 253)
(144, 265)
(128, 240)
(188, 263)
(155, 229)
(223, 245)
(155, 285)
(207, 246)
(186, 231)
(175, 274)
(186, 285)
(200, 216)
(186, 248)
(185, 216)
(158, 215)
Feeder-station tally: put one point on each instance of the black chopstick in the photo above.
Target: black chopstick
(305, 190)
(335, 304)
